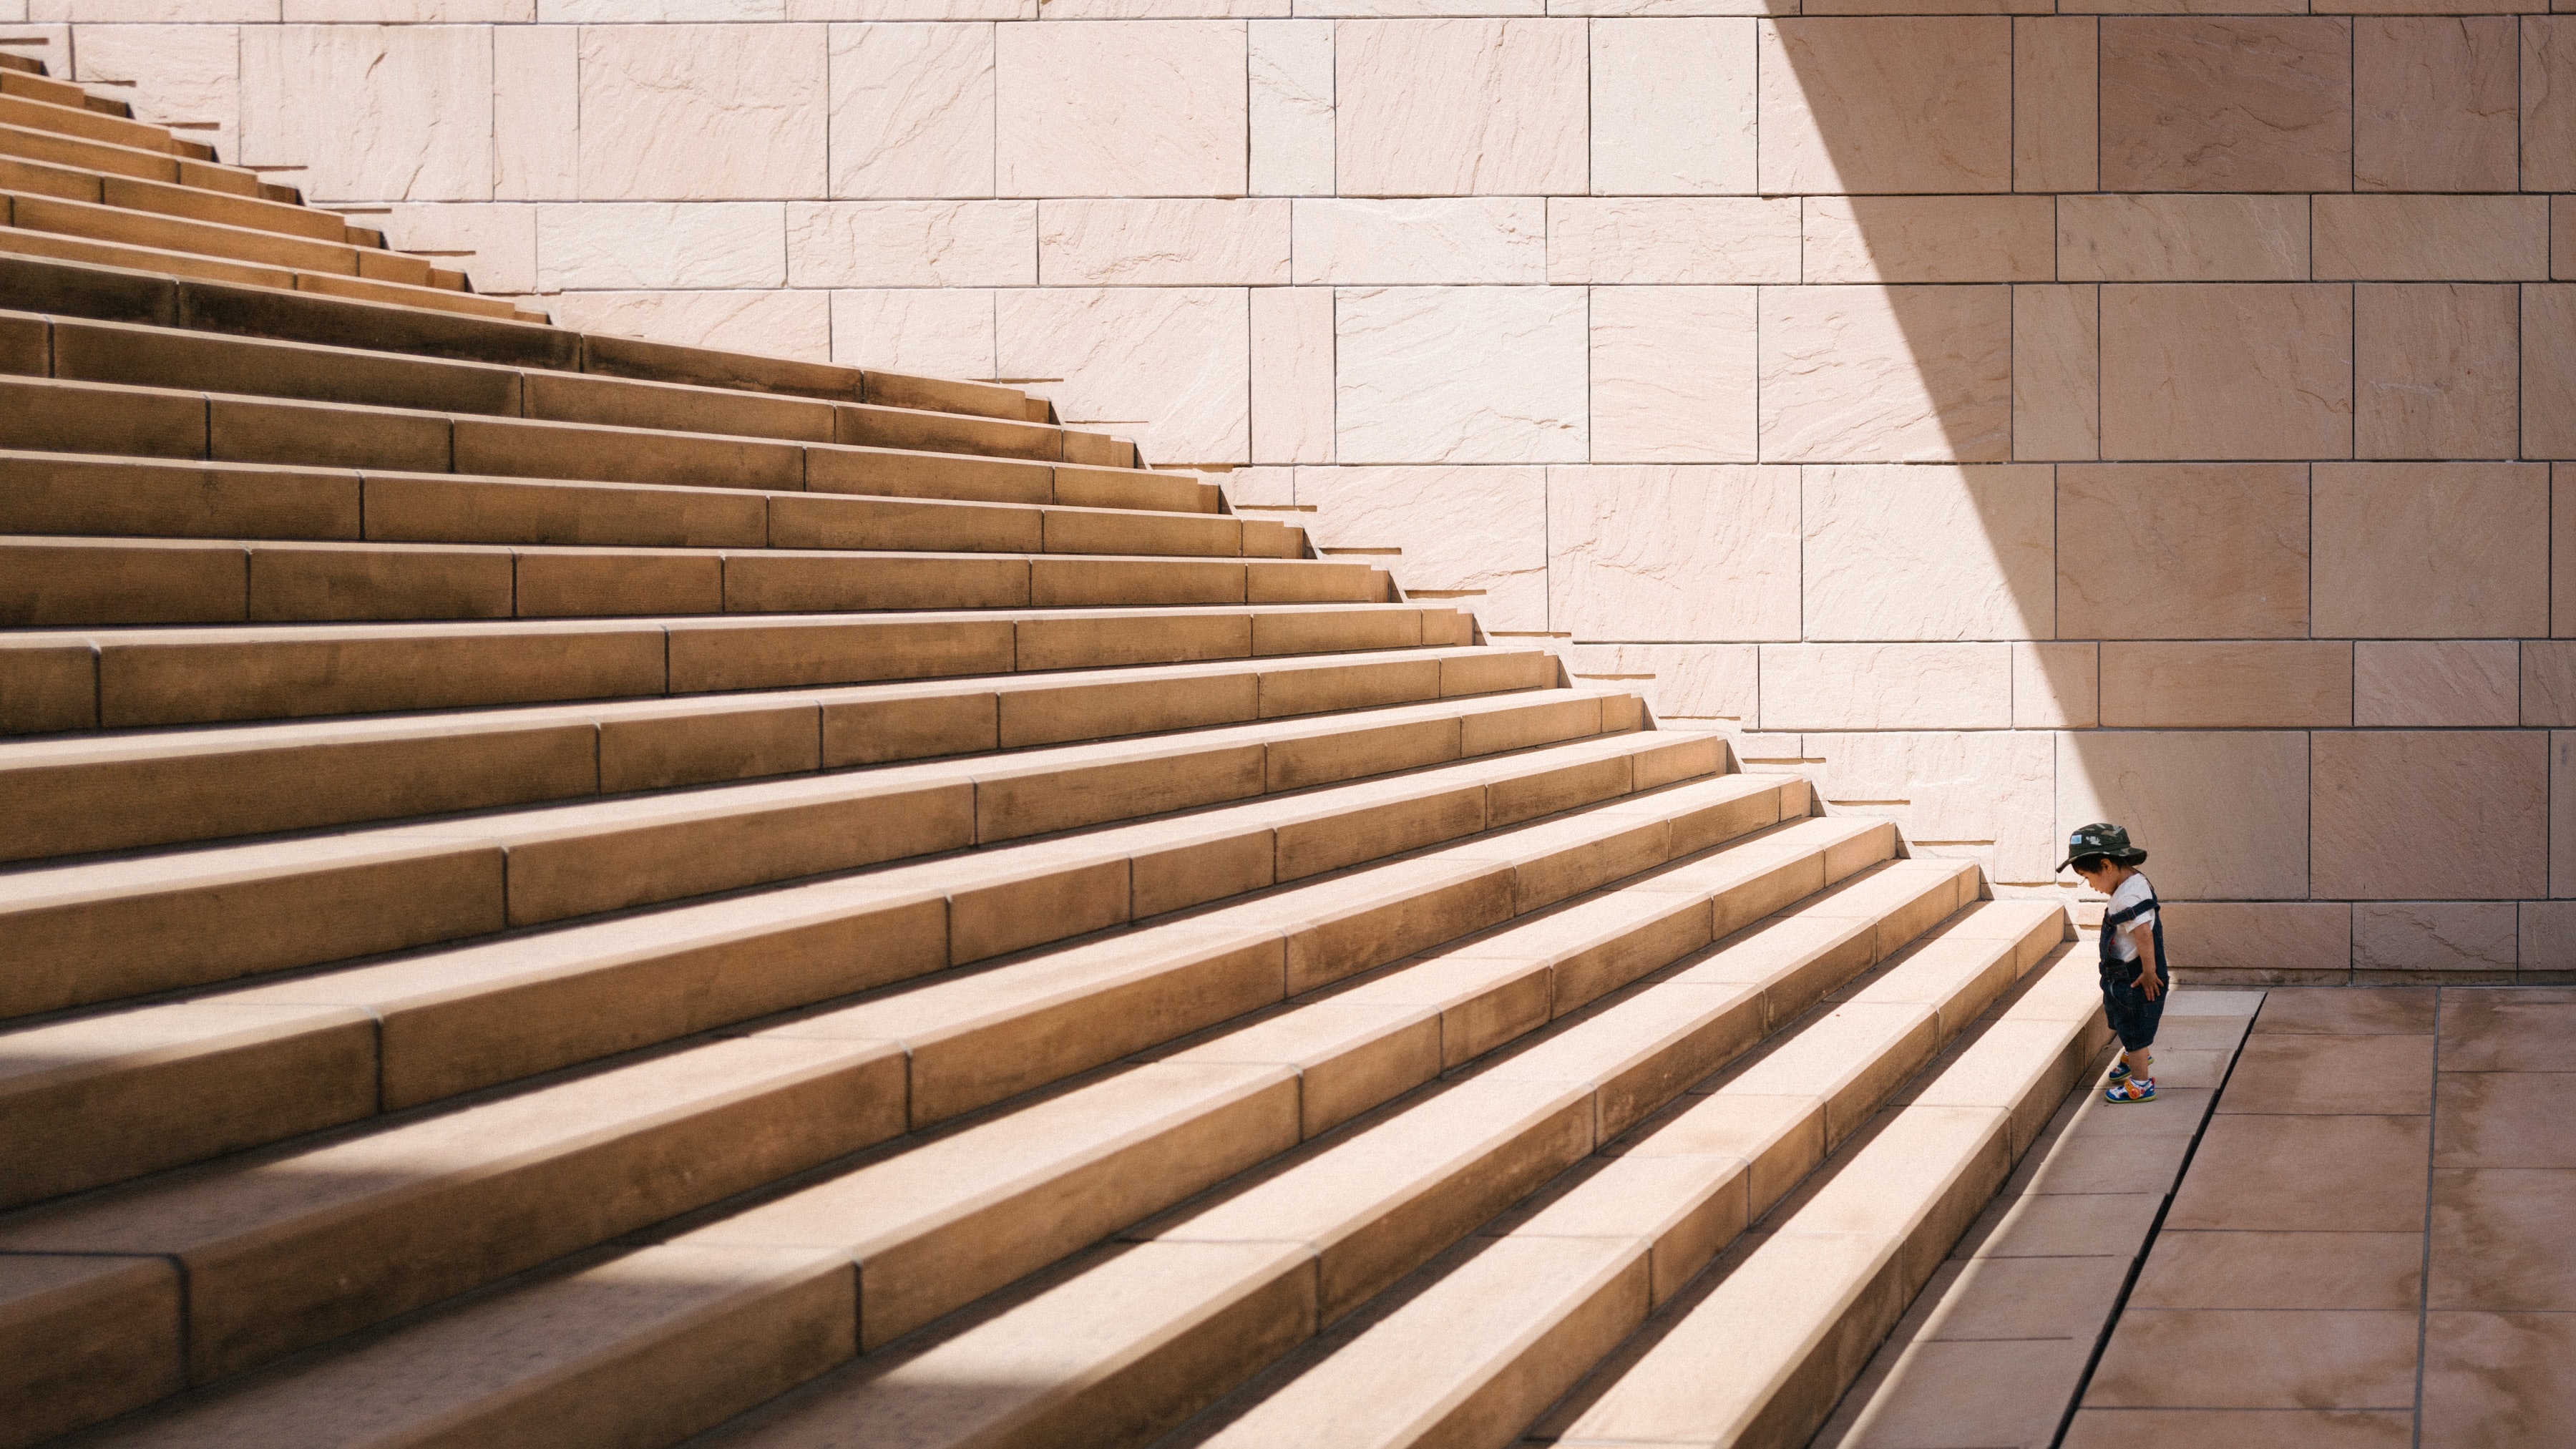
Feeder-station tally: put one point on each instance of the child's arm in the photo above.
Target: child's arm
(2142, 934)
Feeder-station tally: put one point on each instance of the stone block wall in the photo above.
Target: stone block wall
(2009, 418)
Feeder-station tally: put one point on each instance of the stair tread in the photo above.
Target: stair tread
(23, 244)
(121, 190)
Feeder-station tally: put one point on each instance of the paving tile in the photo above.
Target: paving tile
(2200, 1034)
(2504, 1119)
(2164, 1358)
(2112, 1165)
(2320, 1174)
(2343, 1011)
(2336, 1075)
(2283, 1270)
(2500, 1238)
(2508, 1030)
(2021, 1298)
(2190, 1067)
(2214, 1428)
(2198, 1001)
(1944, 1394)
(2498, 1380)
(2062, 1225)
(2174, 1111)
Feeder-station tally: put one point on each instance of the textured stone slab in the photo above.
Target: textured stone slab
(1460, 375)
(536, 100)
(1291, 109)
(1886, 686)
(2193, 103)
(912, 110)
(2432, 238)
(2436, 369)
(1886, 374)
(1929, 553)
(2057, 373)
(1476, 529)
(2057, 686)
(704, 111)
(377, 113)
(2434, 103)
(2057, 110)
(773, 323)
(1984, 794)
(1292, 375)
(1929, 239)
(2549, 104)
(174, 74)
(935, 332)
(912, 243)
(1162, 243)
(1676, 553)
(661, 245)
(1463, 107)
(1672, 107)
(2436, 682)
(1121, 108)
(2431, 550)
(2249, 939)
(2457, 790)
(1166, 366)
(2226, 370)
(2460, 942)
(2226, 685)
(2246, 814)
(1698, 682)
(1411, 243)
(1881, 105)
(1673, 374)
(2243, 574)
(2181, 238)
(1672, 239)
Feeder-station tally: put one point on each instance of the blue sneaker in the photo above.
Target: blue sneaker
(2130, 1089)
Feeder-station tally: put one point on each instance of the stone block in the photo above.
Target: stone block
(703, 112)
(495, 244)
(2057, 686)
(2414, 940)
(2434, 815)
(2431, 550)
(2057, 103)
(1673, 553)
(1460, 375)
(2432, 238)
(1672, 240)
(2057, 373)
(1176, 358)
(1417, 243)
(2226, 370)
(771, 323)
(1121, 108)
(1928, 553)
(2562, 813)
(2546, 945)
(1886, 374)
(2437, 369)
(661, 244)
(2235, 103)
(2548, 682)
(1460, 107)
(2549, 371)
(1978, 794)
(912, 110)
(2260, 936)
(187, 75)
(1929, 239)
(1896, 104)
(913, 243)
(2549, 103)
(1291, 108)
(2562, 238)
(2222, 813)
(1886, 686)
(2433, 103)
(938, 332)
(2182, 238)
(1292, 375)
(2562, 552)
(536, 102)
(2276, 685)
(1706, 683)
(373, 112)
(1479, 532)
(2419, 683)
(1119, 243)
(1672, 374)
(1672, 107)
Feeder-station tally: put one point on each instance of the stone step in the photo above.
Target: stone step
(1798, 1307)
(1477, 1346)
(82, 795)
(938, 1224)
(49, 415)
(23, 245)
(25, 211)
(190, 918)
(116, 189)
(91, 125)
(24, 65)
(107, 497)
(295, 1056)
(75, 583)
(43, 88)
(294, 1246)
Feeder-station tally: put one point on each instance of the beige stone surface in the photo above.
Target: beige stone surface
(1887, 105)
(1928, 239)
(2437, 370)
(1121, 108)
(1886, 686)
(2057, 109)
(494, 243)
(1459, 375)
(661, 245)
(912, 110)
(1118, 243)
(2549, 103)
(1981, 794)
(1928, 553)
(2057, 373)
(2270, 685)
(1886, 374)
(1672, 240)
(703, 111)
(2226, 370)
(2432, 550)
(942, 332)
(2562, 816)
(2432, 238)
(2475, 938)
(1672, 106)
(1291, 108)
(372, 112)
(1412, 243)
(1459, 107)
(186, 75)
(1458, 529)
(2205, 103)
(2549, 371)
(1673, 553)
(1165, 366)
(1696, 682)
(1292, 375)
(536, 102)
(2057, 686)
(772, 323)
(1673, 374)
(2182, 238)
(2436, 682)
(2240, 831)
(2284, 936)
(913, 243)
(2182, 551)
(2434, 103)
(2404, 815)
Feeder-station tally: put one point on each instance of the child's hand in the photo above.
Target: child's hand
(2147, 983)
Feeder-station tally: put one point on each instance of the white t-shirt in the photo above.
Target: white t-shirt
(2132, 891)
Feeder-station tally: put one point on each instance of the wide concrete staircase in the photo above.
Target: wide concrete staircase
(569, 891)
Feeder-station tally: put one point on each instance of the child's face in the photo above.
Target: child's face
(2093, 871)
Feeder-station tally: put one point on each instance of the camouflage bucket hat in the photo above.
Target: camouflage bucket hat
(2101, 838)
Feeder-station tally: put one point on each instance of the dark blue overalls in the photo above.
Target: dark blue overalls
(2133, 1016)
